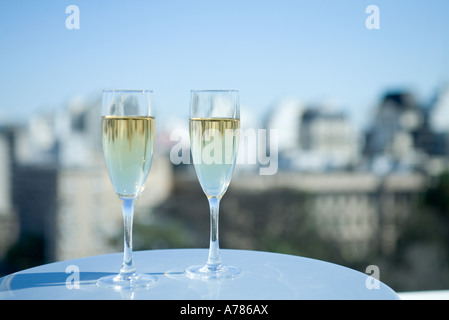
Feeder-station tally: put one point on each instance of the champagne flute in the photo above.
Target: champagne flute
(214, 141)
(128, 129)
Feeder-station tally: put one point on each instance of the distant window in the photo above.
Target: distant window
(79, 122)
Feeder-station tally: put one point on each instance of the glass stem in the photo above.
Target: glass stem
(214, 260)
(128, 268)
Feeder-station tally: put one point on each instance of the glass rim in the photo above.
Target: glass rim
(217, 90)
(127, 91)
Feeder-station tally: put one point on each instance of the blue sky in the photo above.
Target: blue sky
(266, 49)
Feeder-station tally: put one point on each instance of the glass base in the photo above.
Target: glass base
(120, 282)
(206, 272)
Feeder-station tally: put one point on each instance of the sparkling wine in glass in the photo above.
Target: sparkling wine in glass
(214, 142)
(128, 129)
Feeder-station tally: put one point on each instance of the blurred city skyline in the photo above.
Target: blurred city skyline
(268, 50)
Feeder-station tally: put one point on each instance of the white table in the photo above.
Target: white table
(265, 276)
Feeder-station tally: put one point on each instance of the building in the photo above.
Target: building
(313, 138)
(360, 213)
(407, 136)
(328, 136)
(57, 188)
(9, 224)
(439, 111)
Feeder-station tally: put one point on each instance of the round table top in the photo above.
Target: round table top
(265, 276)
